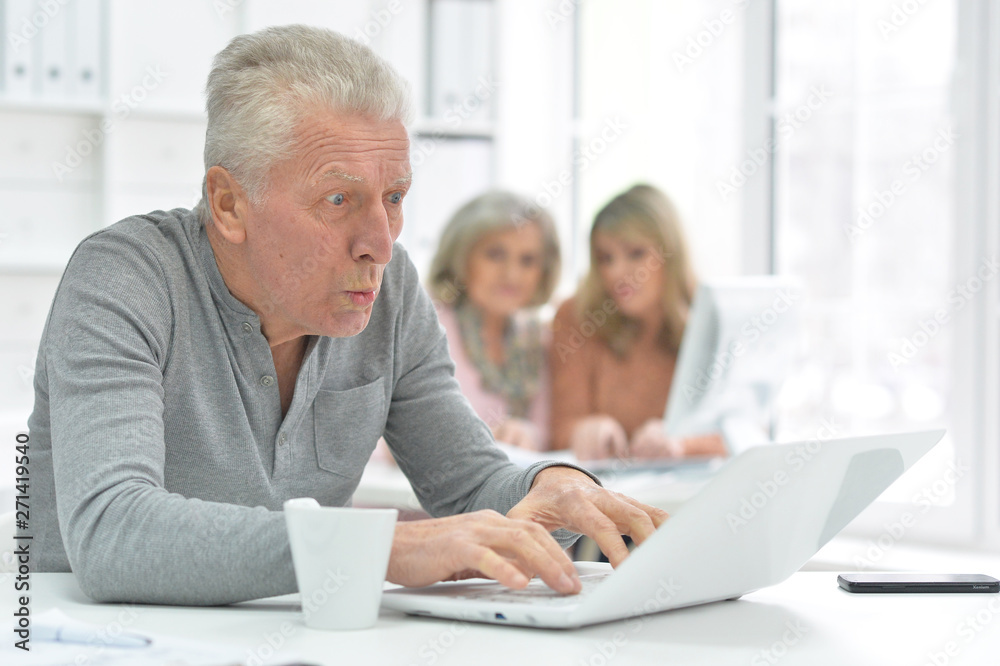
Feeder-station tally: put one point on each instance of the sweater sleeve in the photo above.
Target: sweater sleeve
(127, 538)
(446, 451)
(570, 363)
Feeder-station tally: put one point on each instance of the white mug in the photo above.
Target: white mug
(341, 556)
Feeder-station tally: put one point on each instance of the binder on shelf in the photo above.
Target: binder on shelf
(461, 63)
(19, 49)
(87, 75)
(54, 35)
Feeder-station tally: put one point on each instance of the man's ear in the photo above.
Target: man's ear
(228, 204)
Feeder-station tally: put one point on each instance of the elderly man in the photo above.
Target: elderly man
(198, 368)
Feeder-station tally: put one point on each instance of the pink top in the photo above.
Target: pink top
(491, 407)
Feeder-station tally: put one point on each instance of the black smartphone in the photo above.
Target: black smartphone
(917, 582)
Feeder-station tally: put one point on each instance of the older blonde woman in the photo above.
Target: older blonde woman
(498, 258)
(615, 343)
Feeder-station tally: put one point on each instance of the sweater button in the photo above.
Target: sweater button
(266, 380)
(247, 327)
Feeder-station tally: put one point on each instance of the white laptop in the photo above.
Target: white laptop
(738, 347)
(761, 517)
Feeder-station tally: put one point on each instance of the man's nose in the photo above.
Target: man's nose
(373, 242)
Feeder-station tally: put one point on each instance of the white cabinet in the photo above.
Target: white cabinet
(102, 117)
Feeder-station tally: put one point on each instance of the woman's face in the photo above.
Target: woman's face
(632, 272)
(505, 269)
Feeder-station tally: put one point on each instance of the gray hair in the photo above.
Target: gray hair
(262, 85)
(483, 215)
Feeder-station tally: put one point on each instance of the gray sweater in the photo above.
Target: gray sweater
(159, 456)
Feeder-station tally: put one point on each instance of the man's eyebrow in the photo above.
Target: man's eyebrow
(343, 175)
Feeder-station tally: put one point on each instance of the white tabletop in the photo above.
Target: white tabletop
(806, 620)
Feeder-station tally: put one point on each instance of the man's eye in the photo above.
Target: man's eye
(395, 197)
(336, 199)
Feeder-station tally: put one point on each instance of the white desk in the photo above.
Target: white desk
(806, 620)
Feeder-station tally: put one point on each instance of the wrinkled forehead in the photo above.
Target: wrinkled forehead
(348, 147)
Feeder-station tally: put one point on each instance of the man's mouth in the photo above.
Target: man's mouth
(362, 298)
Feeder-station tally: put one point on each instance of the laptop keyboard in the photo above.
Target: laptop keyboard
(536, 592)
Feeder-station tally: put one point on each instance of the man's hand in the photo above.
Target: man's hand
(484, 544)
(565, 497)
(597, 437)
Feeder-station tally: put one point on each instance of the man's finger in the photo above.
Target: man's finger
(629, 518)
(523, 542)
(657, 515)
(603, 530)
(552, 548)
(499, 568)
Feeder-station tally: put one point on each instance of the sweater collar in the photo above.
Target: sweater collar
(215, 280)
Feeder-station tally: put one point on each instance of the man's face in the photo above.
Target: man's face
(317, 247)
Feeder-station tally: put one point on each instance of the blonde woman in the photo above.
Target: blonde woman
(498, 258)
(615, 343)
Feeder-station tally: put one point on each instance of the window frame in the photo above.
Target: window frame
(974, 518)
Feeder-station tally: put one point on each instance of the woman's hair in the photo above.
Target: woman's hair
(264, 83)
(642, 212)
(489, 212)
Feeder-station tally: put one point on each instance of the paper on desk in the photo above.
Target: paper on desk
(162, 651)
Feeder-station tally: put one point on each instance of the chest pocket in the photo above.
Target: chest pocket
(347, 426)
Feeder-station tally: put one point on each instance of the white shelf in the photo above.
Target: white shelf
(66, 107)
(465, 130)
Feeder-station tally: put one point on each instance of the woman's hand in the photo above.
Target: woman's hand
(520, 433)
(596, 437)
(651, 441)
